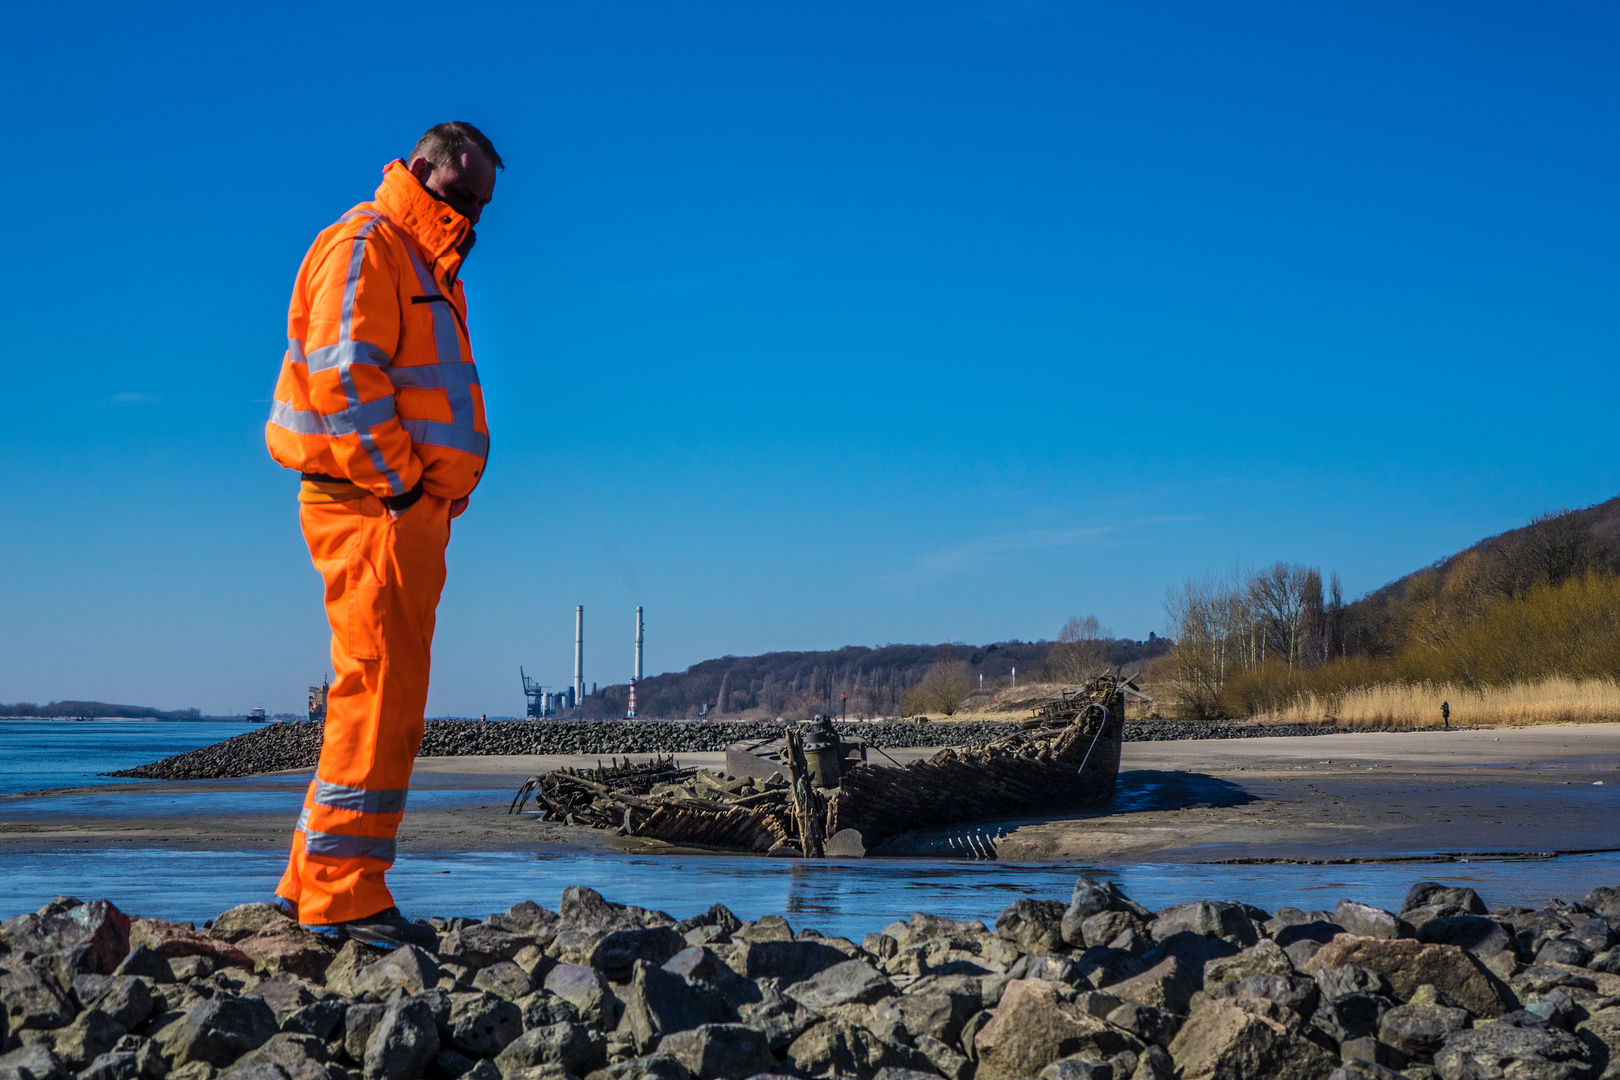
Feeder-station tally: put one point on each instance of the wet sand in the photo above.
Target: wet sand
(1372, 796)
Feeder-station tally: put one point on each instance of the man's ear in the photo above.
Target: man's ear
(421, 168)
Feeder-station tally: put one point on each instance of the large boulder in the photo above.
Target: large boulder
(83, 938)
(1297, 992)
(481, 944)
(1432, 900)
(1033, 1027)
(721, 989)
(1522, 1052)
(217, 1031)
(1265, 957)
(289, 1054)
(404, 1041)
(840, 1046)
(1232, 1041)
(407, 968)
(32, 1062)
(33, 999)
(785, 961)
(285, 948)
(617, 953)
(574, 1047)
(1419, 1031)
(1365, 920)
(245, 920)
(720, 1051)
(481, 1025)
(853, 982)
(1033, 926)
(91, 1034)
(1218, 919)
(176, 940)
(124, 998)
(587, 991)
(587, 908)
(1167, 985)
(658, 1003)
(1409, 964)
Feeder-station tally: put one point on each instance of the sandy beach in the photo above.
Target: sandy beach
(1356, 796)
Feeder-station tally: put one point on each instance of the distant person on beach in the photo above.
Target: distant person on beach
(1445, 713)
(379, 409)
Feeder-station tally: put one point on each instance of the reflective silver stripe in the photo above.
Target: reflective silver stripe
(296, 349)
(435, 377)
(303, 819)
(355, 420)
(351, 286)
(453, 436)
(455, 376)
(339, 846)
(360, 800)
(345, 353)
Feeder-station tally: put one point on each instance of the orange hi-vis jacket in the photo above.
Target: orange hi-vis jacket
(378, 386)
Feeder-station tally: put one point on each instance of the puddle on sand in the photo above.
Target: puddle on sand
(222, 801)
(847, 898)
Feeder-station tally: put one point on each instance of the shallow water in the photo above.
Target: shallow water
(836, 897)
(37, 754)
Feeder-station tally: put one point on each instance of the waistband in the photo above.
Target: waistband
(320, 488)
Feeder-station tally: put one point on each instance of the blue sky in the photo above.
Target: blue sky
(803, 324)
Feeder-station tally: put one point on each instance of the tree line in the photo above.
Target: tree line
(1535, 602)
(85, 709)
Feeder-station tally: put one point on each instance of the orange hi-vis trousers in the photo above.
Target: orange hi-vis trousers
(383, 579)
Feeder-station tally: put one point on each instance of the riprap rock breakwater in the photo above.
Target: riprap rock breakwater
(1097, 988)
(298, 746)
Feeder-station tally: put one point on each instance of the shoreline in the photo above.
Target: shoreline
(1362, 796)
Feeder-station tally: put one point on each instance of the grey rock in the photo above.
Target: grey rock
(1077, 1068)
(284, 996)
(1563, 950)
(587, 991)
(651, 1067)
(894, 1072)
(245, 920)
(147, 963)
(1033, 1027)
(34, 1062)
(1048, 968)
(574, 1047)
(1530, 1052)
(113, 1065)
(1102, 965)
(1225, 1041)
(318, 1018)
(404, 1041)
(91, 1034)
(504, 979)
(482, 1025)
(218, 1030)
(946, 1061)
(1263, 958)
(780, 1019)
(712, 1051)
(1357, 1069)
(1034, 926)
(838, 1046)
(1419, 1031)
(359, 1021)
(33, 999)
(1372, 1049)
(1147, 1023)
(718, 916)
(543, 1007)
(934, 1015)
(1365, 920)
(82, 938)
(1476, 933)
(1167, 985)
(407, 968)
(787, 961)
(617, 953)
(1351, 1016)
(481, 944)
(1296, 992)
(1102, 928)
(586, 907)
(722, 990)
(1217, 919)
(449, 1062)
(1597, 933)
(527, 918)
(1442, 899)
(853, 982)
(658, 1003)
(291, 1055)
(1409, 964)
(1604, 900)
(1350, 979)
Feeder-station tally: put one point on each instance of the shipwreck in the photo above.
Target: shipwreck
(814, 792)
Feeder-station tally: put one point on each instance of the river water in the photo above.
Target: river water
(848, 898)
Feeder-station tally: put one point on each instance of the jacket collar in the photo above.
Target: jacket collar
(429, 221)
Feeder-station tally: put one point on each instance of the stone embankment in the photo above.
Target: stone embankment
(298, 746)
(1095, 988)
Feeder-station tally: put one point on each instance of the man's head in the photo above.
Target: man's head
(456, 162)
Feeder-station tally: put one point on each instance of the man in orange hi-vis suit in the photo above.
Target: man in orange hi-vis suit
(378, 407)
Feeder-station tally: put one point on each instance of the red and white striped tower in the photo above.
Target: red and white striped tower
(632, 713)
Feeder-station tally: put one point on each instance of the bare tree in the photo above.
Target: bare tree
(946, 685)
(1080, 652)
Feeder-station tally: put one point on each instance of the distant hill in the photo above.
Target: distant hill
(1552, 548)
(96, 708)
(800, 683)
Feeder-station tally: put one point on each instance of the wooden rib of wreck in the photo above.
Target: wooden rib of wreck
(809, 790)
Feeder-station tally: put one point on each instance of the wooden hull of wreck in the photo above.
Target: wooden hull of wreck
(980, 782)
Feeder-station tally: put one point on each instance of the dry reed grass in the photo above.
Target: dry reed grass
(1556, 700)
